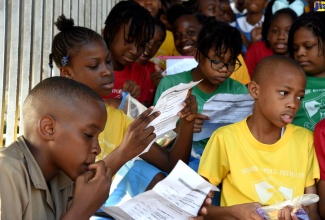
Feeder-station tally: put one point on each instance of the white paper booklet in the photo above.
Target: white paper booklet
(224, 109)
(169, 104)
(179, 196)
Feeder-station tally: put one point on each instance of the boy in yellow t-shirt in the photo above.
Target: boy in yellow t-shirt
(263, 159)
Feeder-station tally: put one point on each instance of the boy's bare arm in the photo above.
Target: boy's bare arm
(91, 191)
(136, 139)
(321, 193)
(181, 150)
(312, 208)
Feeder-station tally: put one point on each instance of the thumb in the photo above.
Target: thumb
(85, 177)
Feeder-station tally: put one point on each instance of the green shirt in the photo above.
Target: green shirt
(229, 86)
(312, 108)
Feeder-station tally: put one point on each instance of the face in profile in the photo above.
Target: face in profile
(76, 140)
(279, 95)
(307, 52)
(186, 31)
(124, 49)
(152, 46)
(278, 34)
(92, 66)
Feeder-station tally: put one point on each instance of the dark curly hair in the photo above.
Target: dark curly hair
(141, 23)
(220, 36)
(313, 21)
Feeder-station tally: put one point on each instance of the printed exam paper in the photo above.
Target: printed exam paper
(179, 196)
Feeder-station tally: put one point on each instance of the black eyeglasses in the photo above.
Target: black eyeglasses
(218, 65)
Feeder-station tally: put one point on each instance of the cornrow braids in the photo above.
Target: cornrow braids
(141, 28)
(221, 36)
(70, 39)
(313, 21)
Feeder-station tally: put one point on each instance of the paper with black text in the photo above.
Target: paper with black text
(179, 196)
(224, 109)
(169, 104)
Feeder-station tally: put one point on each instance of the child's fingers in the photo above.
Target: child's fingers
(132, 88)
(211, 194)
(158, 68)
(98, 167)
(285, 213)
(144, 118)
(202, 117)
(86, 176)
(203, 211)
(190, 107)
(135, 91)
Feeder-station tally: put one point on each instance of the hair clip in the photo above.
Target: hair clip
(50, 61)
(297, 6)
(65, 60)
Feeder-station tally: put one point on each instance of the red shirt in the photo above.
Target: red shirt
(254, 54)
(138, 73)
(319, 142)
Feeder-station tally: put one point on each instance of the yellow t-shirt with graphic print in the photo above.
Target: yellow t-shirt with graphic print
(251, 171)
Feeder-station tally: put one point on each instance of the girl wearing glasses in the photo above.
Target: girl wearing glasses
(186, 28)
(218, 46)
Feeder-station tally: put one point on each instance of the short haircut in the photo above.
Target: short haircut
(70, 39)
(50, 92)
(220, 36)
(313, 21)
(265, 68)
(176, 11)
(124, 12)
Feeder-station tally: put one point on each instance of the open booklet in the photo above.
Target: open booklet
(224, 109)
(169, 104)
(179, 196)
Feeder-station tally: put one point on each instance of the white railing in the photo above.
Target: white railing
(26, 33)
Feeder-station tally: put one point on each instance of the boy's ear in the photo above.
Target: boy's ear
(253, 89)
(65, 72)
(46, 128)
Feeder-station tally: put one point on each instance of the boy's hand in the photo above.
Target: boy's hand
(199, 122)
(92, 189)
(156, 76)
(203, 211)
(256, 34)
(287, 213)
(247, 211)
(137, 136)
(131, 87)
(189, 112)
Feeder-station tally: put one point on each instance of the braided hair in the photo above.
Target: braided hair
(66, 43)
(141, 28)
(313, 21)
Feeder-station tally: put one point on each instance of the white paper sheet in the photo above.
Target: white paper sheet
(169, 104)
(179, 196)
(177, 65)
(224, 109)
